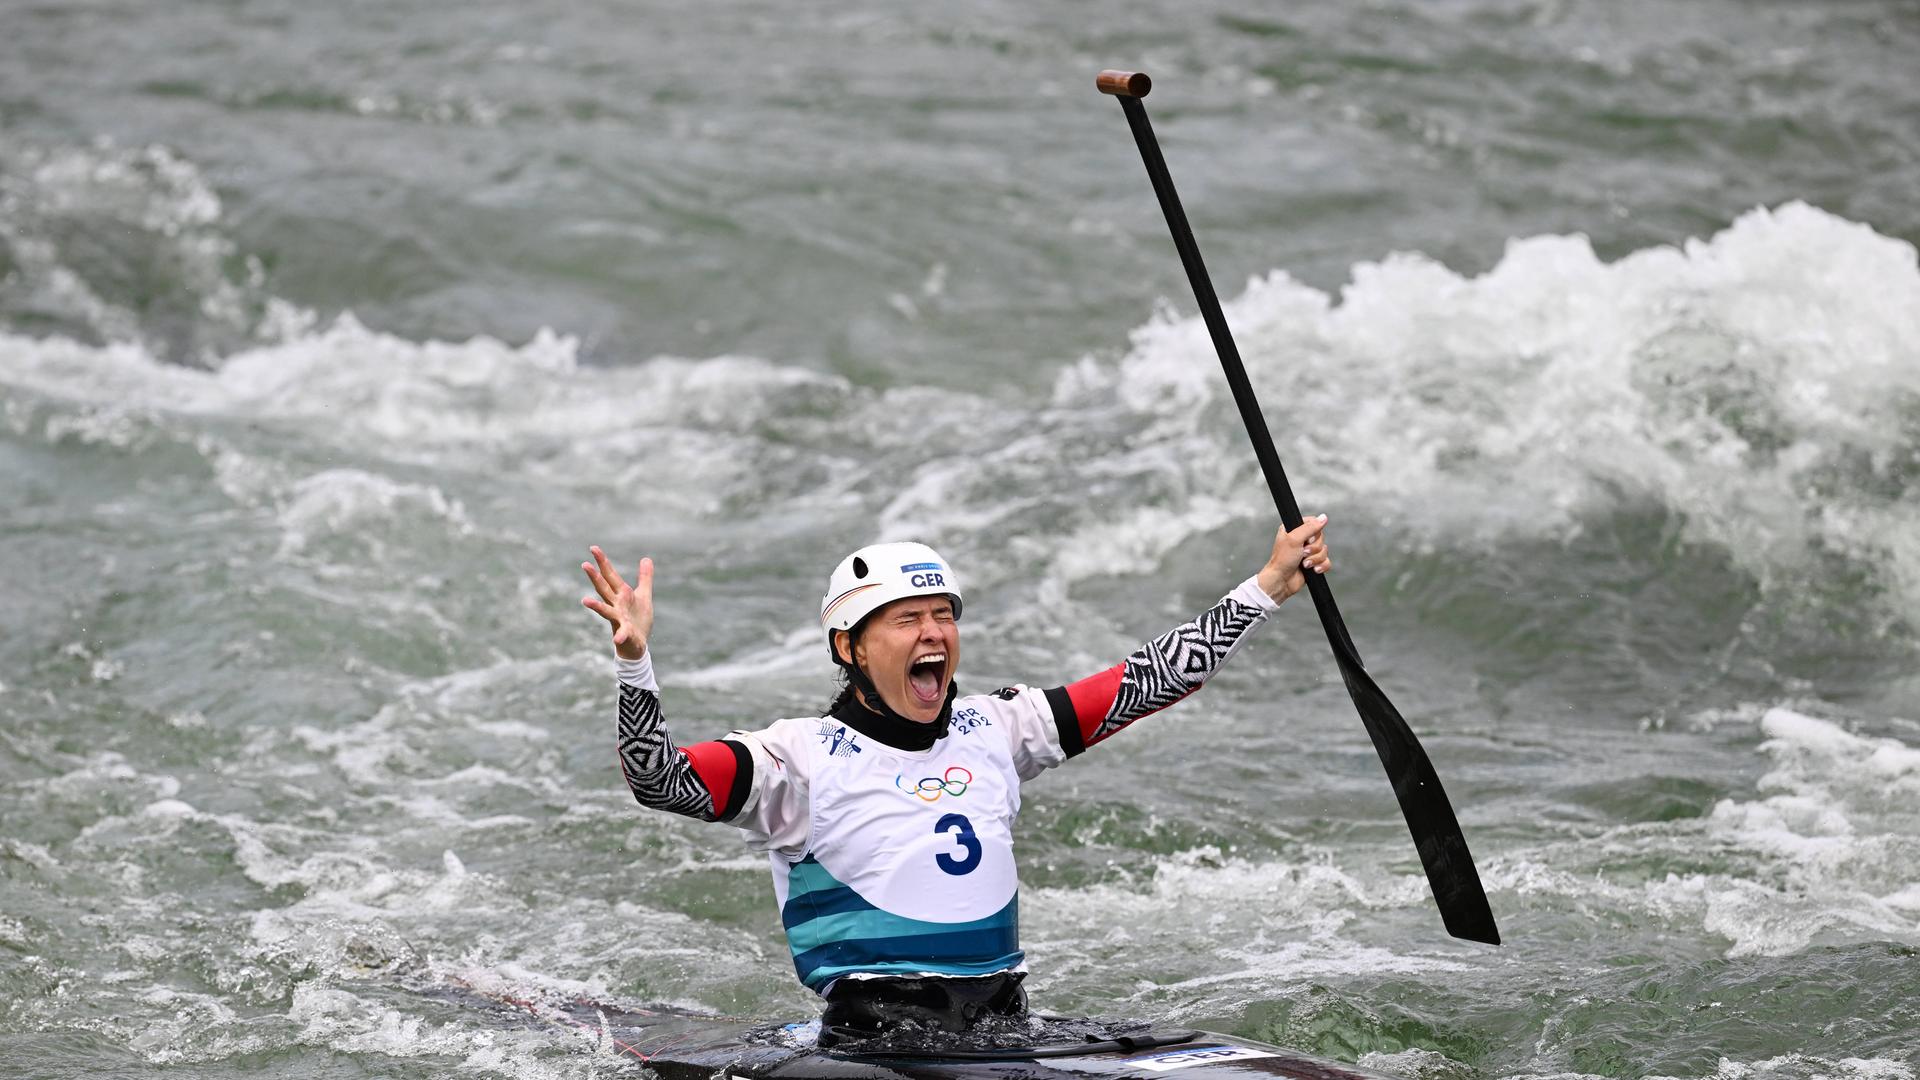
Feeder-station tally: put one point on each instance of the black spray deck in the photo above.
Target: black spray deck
(681, 1045)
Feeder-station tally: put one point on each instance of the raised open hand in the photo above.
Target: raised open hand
(629, 608)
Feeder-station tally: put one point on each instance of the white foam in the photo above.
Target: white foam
(1840, 834)
(685, 432)
(436, 811)
(1826, 850)
(107, 772)
(1728, 379)
(1265, 964)
(1132, 542)
(1811, 750)
(180, 1027)
(478, 776)
(150, 195)
(339, 1020)
(169, 808)
(1285, 920)
(1761, 377)
(32, 854)
(362, 750)
(1808, 1067)
(1416, 1063)
(517, 980)
(508, 729)
(348, 501)
(478, 690)
(797, 655)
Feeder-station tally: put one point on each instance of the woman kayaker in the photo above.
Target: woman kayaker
(888, 821)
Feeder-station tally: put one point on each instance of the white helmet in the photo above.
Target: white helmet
(879, 574)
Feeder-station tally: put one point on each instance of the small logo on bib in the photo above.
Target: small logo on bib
(839, 741)
(929, 788)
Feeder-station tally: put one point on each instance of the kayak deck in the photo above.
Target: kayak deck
(683, 1045)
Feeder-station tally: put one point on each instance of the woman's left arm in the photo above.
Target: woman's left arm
(1176, 663)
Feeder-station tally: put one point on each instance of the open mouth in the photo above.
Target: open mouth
(927, 677)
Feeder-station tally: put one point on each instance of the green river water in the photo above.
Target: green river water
(332, 334)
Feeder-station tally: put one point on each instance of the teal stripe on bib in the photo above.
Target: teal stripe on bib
(967, 952)
(875, 925)
(833, 931)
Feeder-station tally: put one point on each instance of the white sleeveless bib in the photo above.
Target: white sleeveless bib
(909, 864)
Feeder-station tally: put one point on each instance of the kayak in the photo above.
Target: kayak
(683, 1045)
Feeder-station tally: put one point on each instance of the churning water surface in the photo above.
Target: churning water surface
(331, 335)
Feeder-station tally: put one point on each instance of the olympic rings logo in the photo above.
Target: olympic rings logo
(952, 782)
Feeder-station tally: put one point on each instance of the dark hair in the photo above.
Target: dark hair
(845, 695)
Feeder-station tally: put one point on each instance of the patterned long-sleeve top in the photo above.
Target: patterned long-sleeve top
(750, 778)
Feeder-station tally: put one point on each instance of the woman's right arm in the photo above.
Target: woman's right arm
(743, 779)
(711, 781)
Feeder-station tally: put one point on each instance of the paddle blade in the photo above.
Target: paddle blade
(1436, 832)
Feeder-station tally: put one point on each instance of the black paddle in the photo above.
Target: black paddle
(1436, 833)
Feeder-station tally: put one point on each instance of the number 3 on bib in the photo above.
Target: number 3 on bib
(964, 835)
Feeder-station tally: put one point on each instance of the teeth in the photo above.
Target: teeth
(939, 658)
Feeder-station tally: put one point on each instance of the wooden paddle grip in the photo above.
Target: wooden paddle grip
(1124, 83)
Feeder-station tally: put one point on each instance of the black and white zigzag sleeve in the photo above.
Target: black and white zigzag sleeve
(1158, 674)
(711, 781)
(657, 773)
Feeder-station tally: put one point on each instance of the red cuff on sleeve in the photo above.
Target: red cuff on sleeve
(717, 765)
(1092, 699)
